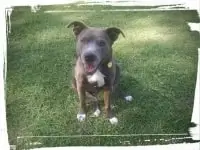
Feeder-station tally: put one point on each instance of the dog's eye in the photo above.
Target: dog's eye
(84, 40)
(101, 43)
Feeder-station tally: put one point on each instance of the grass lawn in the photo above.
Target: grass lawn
(158, 59)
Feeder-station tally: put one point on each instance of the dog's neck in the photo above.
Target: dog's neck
(100, 73)
(97, 77)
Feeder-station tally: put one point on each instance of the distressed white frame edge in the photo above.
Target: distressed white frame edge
(3, 123)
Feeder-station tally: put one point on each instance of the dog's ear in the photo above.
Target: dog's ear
(77, 27)
(113, 33)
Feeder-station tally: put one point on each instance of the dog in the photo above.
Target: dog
(95, 68)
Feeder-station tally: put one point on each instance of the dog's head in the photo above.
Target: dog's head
(94, 45)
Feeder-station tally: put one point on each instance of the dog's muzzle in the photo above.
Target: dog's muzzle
(90, 62)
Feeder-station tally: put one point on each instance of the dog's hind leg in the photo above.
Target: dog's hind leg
(117, 78)
(95, 103)
(117, 92)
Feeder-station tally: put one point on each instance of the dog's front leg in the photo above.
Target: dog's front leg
(107, 104)
(82, 104)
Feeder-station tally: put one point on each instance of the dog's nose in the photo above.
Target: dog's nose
(89, 57)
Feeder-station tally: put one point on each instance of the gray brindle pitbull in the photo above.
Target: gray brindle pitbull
(95, 68)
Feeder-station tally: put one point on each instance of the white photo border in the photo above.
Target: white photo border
(6, 9)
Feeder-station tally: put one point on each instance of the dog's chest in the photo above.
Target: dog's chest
(97, 78)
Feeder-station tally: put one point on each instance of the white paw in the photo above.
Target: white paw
(97, 113)
(81, 117)
(113, 120)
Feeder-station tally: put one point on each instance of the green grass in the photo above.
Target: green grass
(158, 59)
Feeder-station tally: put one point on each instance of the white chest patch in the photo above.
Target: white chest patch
(96, 77)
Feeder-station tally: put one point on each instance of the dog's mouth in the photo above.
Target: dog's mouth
(90, 68)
